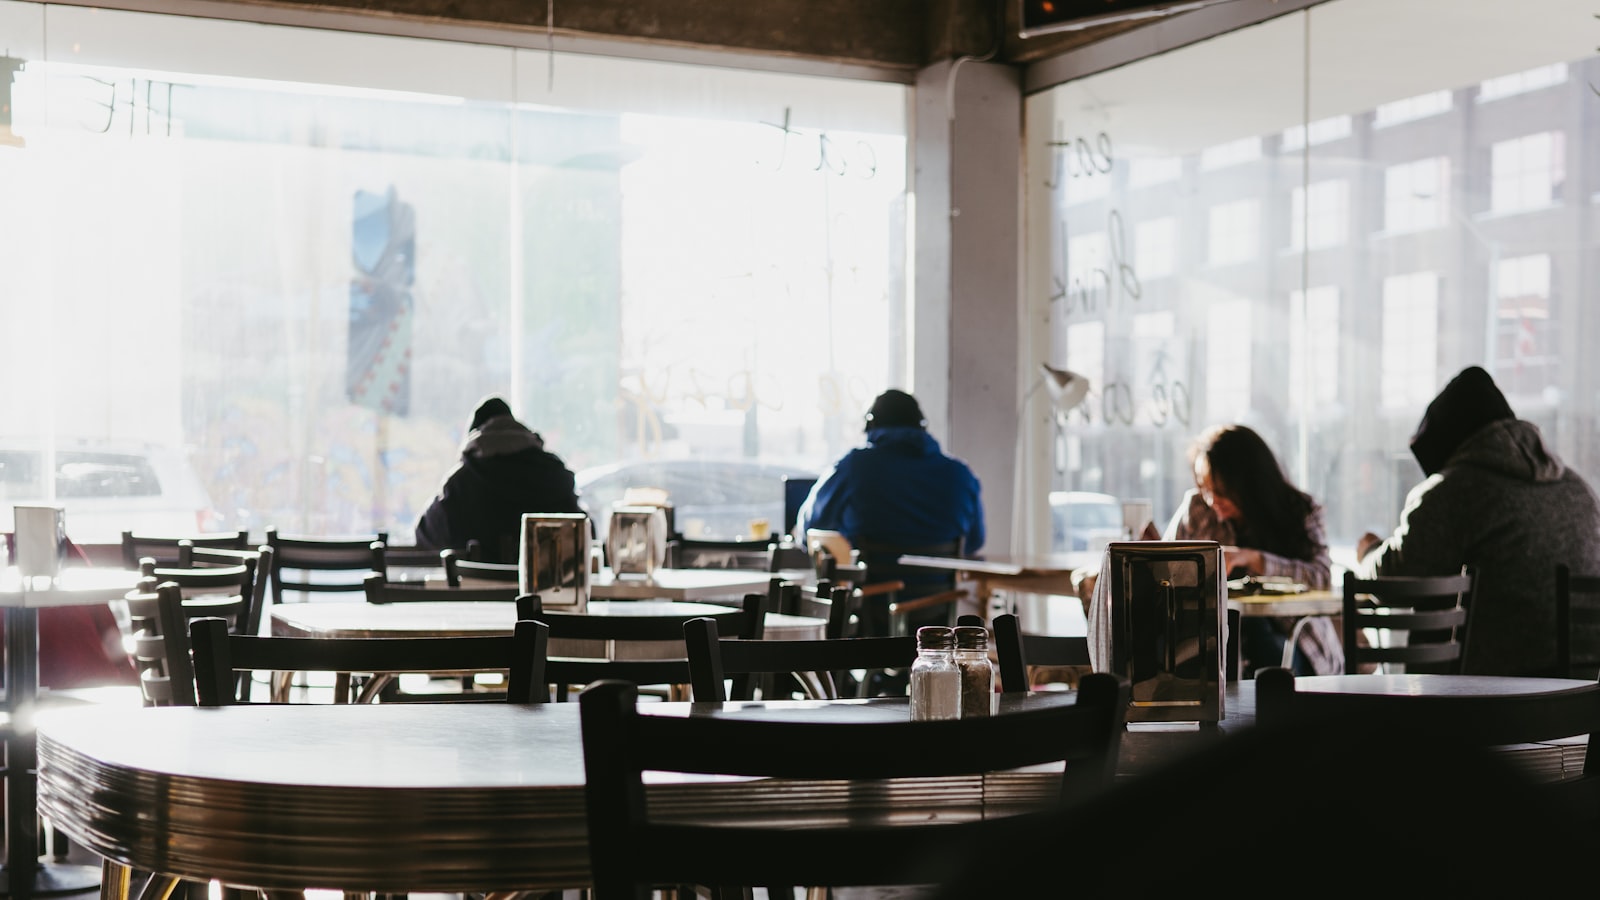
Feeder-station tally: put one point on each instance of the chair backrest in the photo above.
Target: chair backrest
(215, 590)
(166, 676)
(165, 549)
(380, 591)
(1432, 611)
(692, 553)
(219, 657)
(1481, 720)
(310, 564)
(460, 571)
(1016, 651)
(630, 850)
(713, 659)
(1577, 624)
(386, 558)
(1456, 820)
(566, 671)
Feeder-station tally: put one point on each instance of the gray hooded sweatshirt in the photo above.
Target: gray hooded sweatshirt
(1504, 504)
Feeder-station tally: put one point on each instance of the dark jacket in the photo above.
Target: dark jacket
(898, 490)
(504, 472)
(1506, 505)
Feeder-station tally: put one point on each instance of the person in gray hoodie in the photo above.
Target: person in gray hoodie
(1495, 498)
(504, 472)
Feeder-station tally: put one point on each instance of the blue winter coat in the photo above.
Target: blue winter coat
(899, 490)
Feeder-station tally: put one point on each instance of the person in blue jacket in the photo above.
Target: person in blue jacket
(898, 494)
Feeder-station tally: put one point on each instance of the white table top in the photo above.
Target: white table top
(73, 587)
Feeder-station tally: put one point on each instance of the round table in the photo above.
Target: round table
(408, 797)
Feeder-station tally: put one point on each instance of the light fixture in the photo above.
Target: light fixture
(1067, 388)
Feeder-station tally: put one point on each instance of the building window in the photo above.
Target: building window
(1086, 351)
(1087, 268)
(1327, 219)
(1228, 344)
(1234, 232)
(1410, 340)
(1522, 82)
(1155, 248)
(1147, 171)
(1232, 153)
(1525, 346)
(1412, 108)
(1314, 347)
(1319, 132)
(1416, 194)
(1526, 172)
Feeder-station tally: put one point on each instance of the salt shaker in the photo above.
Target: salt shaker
(977, 673)
(935, 680)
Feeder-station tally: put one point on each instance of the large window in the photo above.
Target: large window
(281, 266)
(1393, 193)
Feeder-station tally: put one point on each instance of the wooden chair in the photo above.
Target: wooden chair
(565, 671)
(386, 558)
(695, 553)
(213, 590)
(379, 590)
(1475, 720)
(166, 676)
(219, 656)
(712, 660)
(1431, 612)
(166, 549)
(1456, 819)
(256, 603)
(1018, 652)
(462, 571)
(633, 848)
(320, 565)
(1577, 624)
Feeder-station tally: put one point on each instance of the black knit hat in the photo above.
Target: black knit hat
(895, 408)
(1468, 403)
(487, 410)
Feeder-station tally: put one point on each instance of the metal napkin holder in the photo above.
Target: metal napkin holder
(636, 542)
(555, 560)
(1166, 612)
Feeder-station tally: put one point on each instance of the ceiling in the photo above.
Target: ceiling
(904, 35)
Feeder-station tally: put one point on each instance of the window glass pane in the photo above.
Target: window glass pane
(267, 273)
(1413, 217)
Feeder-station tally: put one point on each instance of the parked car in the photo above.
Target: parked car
(106, 488)
(1083, 520)
(711, 499)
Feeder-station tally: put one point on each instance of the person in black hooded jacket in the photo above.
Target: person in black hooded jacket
(1498, 499)
(504, 472)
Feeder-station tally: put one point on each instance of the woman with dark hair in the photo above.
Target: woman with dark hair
(1266, 525)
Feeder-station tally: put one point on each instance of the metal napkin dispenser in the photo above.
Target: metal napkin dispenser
(1167, 606)
(636, 543)
(555, 559)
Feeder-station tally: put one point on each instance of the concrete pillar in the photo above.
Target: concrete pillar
(967, 159)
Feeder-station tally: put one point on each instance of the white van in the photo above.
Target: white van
(107, 488)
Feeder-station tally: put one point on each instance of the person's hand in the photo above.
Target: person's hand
(1237, 559)
(1366, 544)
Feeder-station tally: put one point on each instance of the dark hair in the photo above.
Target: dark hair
(895, 409)
(1272, 511)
